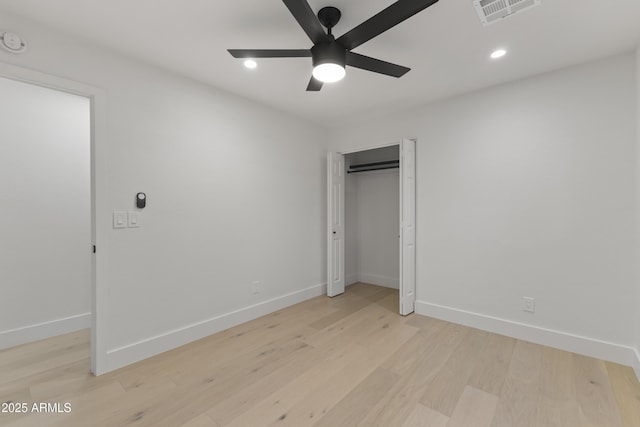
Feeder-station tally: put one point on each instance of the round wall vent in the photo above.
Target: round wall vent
(12, 42)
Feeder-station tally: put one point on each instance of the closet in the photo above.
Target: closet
(371, 213)
(372, 197)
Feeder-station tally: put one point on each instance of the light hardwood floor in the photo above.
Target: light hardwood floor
(346, 361)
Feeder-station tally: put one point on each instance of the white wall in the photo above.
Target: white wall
(527, 189)
(637, 309)
(377, 222)
(351, 266)
(45, 231)
(235, 195)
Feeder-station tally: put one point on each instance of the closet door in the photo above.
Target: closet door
(335, 224)
(407, 226)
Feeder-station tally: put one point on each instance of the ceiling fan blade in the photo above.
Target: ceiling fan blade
(314, 85)
(381, 22)
(308, 20)
(270, 53)
(375, 65)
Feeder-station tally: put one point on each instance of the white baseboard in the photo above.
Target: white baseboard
(375, 279)
(565, 341)
(351, 279)
(44, 330)
(636, 365)
(128, 354)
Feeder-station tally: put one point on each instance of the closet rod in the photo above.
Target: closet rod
(376, 168)
(368, 165)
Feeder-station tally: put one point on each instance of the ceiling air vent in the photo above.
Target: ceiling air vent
(491, 11)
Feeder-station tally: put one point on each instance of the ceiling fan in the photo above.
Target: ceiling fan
(330, 55)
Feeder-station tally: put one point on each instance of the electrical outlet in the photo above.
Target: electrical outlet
(529, 304)
(255, 287)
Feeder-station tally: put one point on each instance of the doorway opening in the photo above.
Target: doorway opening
(47, 225)
(371, 220)
(372, 197)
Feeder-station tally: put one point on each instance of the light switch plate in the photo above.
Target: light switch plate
(119, 219)
(134, 219)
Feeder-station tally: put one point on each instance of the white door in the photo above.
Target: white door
(407, 226)
(335, 224)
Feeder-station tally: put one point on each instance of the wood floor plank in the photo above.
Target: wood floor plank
(190, 399)
(329, 393)
(279, 402)
(226, 401)
(594, 394)
(122, 409)
(557, 404)
(356, 404)
(256, 358)
(421, 416)
(390, 302)
(28, 353)
(626, 390)
(492, 364)
(43, 365)
(330, 319)
(405, 359)
(201, 421)
(397, 405)
(519, 396)
(82, 405)
(475, 408)
(445, 389)
(231, 401)
(371, 292)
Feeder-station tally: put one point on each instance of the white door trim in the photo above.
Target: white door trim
(99, 211)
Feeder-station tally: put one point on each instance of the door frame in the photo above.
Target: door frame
(99, 218)
(402, 310)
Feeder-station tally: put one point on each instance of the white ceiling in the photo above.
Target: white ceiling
(445, 45)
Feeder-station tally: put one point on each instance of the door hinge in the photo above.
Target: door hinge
(94, 249)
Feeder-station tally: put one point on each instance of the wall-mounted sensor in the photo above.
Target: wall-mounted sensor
(141, 200)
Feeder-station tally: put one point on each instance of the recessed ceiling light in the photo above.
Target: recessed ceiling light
(498, 53)
(250, 64)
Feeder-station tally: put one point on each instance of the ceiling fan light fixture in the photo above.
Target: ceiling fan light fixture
(328, 72)
(329, 60)
(330, 55)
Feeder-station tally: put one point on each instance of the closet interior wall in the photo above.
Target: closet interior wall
(372, 219)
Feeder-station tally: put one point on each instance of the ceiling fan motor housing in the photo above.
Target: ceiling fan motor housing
(329, 52)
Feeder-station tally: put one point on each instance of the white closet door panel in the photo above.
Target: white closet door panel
(407, 226)
(335, 224)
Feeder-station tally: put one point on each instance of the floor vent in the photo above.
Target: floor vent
(491, 11)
